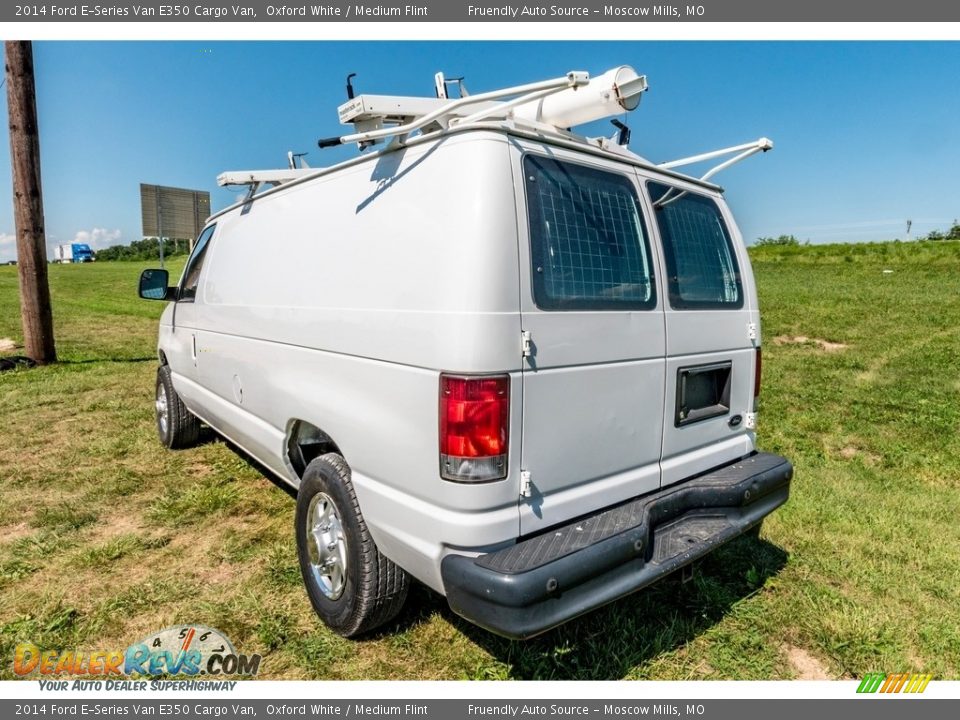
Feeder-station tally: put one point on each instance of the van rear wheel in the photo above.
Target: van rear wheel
(351, 585)
(177, 427)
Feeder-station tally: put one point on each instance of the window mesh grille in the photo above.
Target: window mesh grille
(589, 246)
(700, 261)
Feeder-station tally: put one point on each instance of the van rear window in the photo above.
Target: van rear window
(588, 242)
(701, 264)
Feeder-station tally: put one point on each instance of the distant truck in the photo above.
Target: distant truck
(73, 253)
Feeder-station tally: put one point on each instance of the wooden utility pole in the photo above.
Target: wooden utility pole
(35, 309)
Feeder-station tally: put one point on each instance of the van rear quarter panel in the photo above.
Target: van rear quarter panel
(339, 300)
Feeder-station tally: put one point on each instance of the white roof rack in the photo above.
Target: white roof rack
(559, 103)
(546, 106)
(369, 114)
(555, 104)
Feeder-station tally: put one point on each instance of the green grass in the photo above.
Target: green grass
(97, 315)
(105, 536)
(106, 554)
(63, 517)
(200, 503)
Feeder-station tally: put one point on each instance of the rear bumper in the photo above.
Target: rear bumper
(550, 578)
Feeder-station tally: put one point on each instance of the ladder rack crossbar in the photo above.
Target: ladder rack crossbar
(256, 177)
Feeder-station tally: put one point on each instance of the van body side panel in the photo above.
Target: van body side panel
(179, 344)
(340, 301)
(702, 335)
(593, 386)
(420, 535)
(385, 260)
(413, 515)
(251, 434)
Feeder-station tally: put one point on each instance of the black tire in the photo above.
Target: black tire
(177, 427)
(331, 533)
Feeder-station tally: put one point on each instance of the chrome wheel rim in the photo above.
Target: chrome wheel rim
(163, 411)
(326, 546)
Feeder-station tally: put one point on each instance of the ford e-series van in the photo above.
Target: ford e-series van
(516, 364)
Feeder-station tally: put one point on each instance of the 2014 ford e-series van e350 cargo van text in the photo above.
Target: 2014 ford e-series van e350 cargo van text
(517, 364)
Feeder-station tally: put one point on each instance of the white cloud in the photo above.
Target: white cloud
(98, 238)
(8, 247)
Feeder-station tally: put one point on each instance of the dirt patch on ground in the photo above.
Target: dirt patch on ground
(12, 533)
(848, 453)
(805, 665)
(113, 526)
(825, 345)
(7, 345)
(199, 555)
(854, 449)
(830, 346)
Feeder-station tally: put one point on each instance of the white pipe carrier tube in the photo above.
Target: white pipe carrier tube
(615, 92)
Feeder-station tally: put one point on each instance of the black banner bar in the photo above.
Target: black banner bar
(617, 11)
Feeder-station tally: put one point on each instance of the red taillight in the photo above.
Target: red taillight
(756, 379)
(474, 427)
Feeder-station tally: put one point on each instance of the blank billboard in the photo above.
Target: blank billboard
(173, 212)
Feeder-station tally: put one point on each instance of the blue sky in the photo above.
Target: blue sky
(867, 133)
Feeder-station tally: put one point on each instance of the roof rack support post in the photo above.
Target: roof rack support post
(251, 191)
(732, 161)
(745, 150)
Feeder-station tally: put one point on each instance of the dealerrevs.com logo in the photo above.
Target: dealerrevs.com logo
(190, 650)
(894, 683)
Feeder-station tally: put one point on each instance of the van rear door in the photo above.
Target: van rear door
(711, 329)
(593, 372)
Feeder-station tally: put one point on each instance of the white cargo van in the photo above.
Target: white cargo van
(514, 363)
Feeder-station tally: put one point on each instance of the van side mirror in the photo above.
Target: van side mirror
(153, 285)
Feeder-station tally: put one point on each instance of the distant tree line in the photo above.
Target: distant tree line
(788, 240)
(146, 249)
(952, 234)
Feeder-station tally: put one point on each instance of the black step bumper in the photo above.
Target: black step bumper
(547, 579)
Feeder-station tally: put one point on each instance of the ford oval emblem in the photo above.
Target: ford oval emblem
(735, 421)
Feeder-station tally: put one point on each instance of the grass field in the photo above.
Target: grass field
(105, 536)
